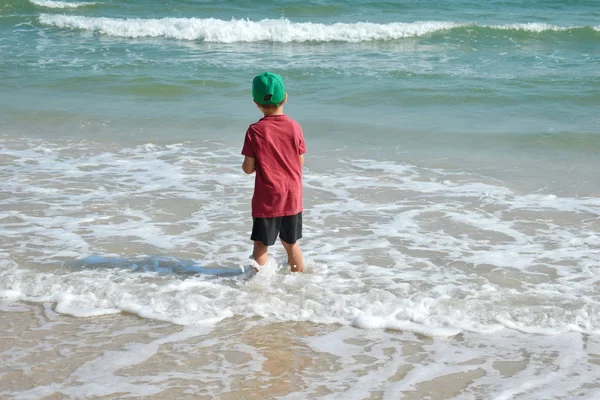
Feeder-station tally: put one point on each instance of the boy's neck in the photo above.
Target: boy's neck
(267, 112)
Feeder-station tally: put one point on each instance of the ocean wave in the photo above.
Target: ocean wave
(277, 30)
(60, 4)
(237, 30)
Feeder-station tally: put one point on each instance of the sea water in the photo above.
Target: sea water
(452, 200)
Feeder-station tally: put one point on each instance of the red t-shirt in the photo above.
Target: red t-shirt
(276, 142)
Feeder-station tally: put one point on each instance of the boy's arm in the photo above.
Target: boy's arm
(249, 165)
(301, 160)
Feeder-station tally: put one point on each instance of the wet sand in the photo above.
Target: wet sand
(45, 355)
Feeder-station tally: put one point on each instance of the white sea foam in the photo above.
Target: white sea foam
(61, 4)
(388, 245)
(270, 30)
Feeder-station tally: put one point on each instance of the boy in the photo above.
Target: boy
(274, 148)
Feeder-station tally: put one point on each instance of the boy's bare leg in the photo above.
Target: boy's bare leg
(295, 260)
(260, 253)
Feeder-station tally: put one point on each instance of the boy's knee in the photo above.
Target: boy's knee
(260, 246)
(287, 245)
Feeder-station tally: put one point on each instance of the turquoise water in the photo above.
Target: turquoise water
(501, 67)
(451, 192)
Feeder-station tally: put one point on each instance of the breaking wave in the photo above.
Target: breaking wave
(276, 30)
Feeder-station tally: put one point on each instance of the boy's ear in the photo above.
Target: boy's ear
(284, 100)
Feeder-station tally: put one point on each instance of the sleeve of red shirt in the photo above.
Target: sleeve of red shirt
(247, 150)
(301, 144)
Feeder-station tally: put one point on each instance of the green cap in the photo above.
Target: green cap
(267, 88)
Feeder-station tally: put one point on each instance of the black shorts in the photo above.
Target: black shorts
(265, 230)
